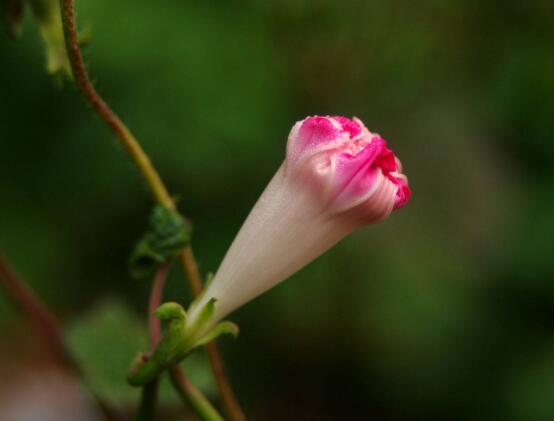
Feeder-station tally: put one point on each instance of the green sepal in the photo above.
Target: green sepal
(207, 282)
(12, 13)
(222, 328)
(180, 338)
(167, 235)
(203, 319)
(171, 310)
(174, 346)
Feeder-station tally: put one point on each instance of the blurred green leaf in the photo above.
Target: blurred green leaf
(106, 338)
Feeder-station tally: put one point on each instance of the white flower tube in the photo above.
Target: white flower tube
(337, 176)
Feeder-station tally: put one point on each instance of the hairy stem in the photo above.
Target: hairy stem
(104, 111)
(152, 178)
(46, 327)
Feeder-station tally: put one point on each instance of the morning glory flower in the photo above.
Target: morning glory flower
(337, 177)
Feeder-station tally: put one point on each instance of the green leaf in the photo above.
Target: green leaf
(106, 338)
(167, 235)
(103, 341)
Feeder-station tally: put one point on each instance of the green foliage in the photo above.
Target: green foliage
(168, 233)
(443, 312)
(105, 339)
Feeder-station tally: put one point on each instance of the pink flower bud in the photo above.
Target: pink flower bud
(337, 176)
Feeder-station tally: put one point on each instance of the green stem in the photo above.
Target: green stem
(191, 395)
(148, 400)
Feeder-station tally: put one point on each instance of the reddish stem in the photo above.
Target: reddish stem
(155, 301)
(149, 398)
(43, 323)
(46, 327)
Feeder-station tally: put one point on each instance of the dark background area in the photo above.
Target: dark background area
(446, 311)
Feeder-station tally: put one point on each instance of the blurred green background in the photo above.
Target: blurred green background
(446, 311)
